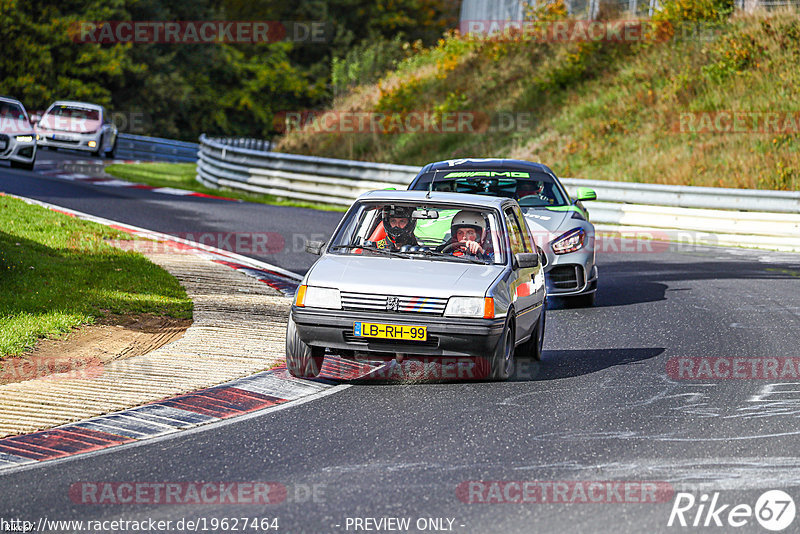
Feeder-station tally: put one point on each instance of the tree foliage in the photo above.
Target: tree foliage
(183, 90)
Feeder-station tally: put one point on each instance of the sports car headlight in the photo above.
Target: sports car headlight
(569, 242)
(321, 297)
(470, 307)
(24, 139)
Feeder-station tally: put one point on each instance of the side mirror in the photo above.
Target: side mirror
(527, 260)
(34, 119)
(315, 247)
(585, 193)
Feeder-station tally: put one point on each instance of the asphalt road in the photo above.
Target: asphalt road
(601, 406)
(274, 234)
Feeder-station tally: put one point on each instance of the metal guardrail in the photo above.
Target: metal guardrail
(155, 148)
(768, 219)
(308, 178)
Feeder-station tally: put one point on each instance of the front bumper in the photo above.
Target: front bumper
(447, 336)
(71, 140)
(16, 150)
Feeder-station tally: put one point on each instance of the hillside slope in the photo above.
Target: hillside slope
(633, 111)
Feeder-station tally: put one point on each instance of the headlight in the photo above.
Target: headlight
(569, 242)
(92, 144)
(470, 307)
(318, 297)
(24, 138)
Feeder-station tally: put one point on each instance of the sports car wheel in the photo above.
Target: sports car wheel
(110, 154)
(581, 301)
(99, 150)
(301, 360)
(533, 347)
(503, 357)
(22, 165)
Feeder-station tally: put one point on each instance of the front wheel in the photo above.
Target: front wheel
(28, 166)
(582, 301)
(302, 360)
(111, 154)
(503, 357)
(533, 347)
(99, 150)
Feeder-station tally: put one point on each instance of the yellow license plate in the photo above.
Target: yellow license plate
(390, 331)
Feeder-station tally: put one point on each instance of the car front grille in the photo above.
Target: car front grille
(386, 303)
(4, 144)
(566, 276)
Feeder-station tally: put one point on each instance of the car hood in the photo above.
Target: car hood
(64, 124)
(547, 224)
(402, 277)
(10, 126)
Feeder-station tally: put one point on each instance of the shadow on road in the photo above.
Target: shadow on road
(558, 364)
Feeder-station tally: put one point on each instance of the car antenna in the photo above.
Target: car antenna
(430, 187)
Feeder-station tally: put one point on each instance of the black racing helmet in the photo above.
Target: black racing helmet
(396, 232)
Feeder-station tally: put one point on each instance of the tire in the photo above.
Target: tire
(99, 150)
(582, 301)
(301, 360)
(111, 154)
(502, 363)
(22, 165)
(533, 347)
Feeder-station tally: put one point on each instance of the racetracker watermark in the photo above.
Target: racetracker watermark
(39, 367)
(582, 31)
(199, 32)
(256, 243)
(214, 493)
(735, 122)
(563, 492)
(626, 242)
(734, 368)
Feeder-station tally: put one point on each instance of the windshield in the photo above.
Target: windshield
(12, 111)
(530, 189)
(433, 231)
(68, 112)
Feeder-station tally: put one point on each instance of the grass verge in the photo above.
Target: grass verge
(594, 109)
(57, 272)
(182, 176)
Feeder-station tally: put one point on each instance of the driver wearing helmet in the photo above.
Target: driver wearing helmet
(399, 226)
(532, 189)
(468, 235)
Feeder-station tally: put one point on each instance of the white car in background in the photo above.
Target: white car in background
(17, 136)
(78, 126)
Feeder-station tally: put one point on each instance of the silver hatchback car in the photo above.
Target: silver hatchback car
(78, 126)
(414, 274)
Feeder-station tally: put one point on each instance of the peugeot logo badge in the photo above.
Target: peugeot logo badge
(392, 303)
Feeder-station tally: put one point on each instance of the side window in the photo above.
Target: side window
(530, 244)
(515, 234)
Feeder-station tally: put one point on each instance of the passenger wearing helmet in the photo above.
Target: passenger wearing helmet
(468, 235)
(399, 227)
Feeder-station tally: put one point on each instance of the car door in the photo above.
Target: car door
(521, 281)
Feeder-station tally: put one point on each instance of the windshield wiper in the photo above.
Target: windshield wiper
(385, 251)
(438, 254)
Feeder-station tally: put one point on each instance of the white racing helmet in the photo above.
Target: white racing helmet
(470, 219)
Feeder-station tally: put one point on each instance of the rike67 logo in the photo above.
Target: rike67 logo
(774, 510)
